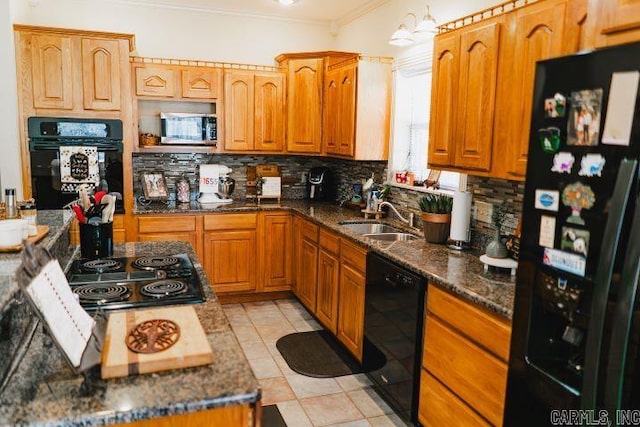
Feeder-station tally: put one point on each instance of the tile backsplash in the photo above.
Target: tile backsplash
(174, 166)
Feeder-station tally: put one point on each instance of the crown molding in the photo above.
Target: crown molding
(358, 12)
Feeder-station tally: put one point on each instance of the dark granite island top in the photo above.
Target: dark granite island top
(45, 391)
(461, 273)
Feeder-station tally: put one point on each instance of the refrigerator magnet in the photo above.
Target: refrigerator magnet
(583, 125)
(578, 196)
(549, 139)
(591, 165)
(555, 107)
(563, 162)
(565, 261)
(548, 200)
(547, 231)
(575, 240)
(621, 108)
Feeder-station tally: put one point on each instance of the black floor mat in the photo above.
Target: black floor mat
(318, 354)
(271, 417)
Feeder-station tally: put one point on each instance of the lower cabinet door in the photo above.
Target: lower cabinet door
(328, 280)
(275, 247)
(439, 407)
(307, 274)
(351, 309)
(230, 260)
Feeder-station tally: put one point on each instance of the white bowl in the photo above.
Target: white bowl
(12, 231)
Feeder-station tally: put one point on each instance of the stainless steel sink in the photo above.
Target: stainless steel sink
(391, 237)
(371, 228)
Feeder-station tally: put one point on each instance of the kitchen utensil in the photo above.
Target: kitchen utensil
(226, 185)
(191, 348)
(83, 195)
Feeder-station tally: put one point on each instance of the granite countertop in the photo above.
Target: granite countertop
(45, 391)
(58, 222)
(461, 273)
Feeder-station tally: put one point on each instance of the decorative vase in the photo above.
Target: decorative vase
(496, 248)
(436, 227)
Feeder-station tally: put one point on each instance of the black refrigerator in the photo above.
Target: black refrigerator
(576, 324)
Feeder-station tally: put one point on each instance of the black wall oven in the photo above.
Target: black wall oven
(67, 152)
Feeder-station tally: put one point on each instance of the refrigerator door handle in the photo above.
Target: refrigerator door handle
(622, 317)
(602, 282)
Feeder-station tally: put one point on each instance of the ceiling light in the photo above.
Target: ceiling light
(403, 37)
(286, 2)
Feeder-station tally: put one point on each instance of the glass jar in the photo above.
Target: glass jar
(183, 192)
(28, 212)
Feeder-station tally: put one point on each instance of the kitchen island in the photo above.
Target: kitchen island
(45, 391)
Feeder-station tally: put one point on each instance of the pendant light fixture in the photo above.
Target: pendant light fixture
(403, 37)
(286, 2)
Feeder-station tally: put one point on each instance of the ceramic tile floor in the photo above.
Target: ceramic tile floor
(303, 401)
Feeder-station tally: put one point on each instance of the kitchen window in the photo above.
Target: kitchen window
(410, 121)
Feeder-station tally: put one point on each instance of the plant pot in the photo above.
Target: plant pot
(436, 227)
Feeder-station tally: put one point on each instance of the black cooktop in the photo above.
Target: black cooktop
(118, 283)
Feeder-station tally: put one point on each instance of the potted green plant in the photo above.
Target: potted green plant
(436, 217)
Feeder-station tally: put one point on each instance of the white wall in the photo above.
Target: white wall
(370, 33)
(182, 33)
(10, 176)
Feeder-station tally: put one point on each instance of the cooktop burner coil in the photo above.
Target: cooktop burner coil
(163, 288)
(101, 294)
(154, 263)
(101, 265)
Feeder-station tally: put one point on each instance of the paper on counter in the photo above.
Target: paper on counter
(271, 186)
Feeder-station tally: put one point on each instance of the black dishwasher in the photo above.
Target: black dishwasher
(393, 324)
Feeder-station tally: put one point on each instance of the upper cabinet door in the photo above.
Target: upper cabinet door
(52, 72)
(201, 83)
(444, 93)
(538, 36)
(269, 112)
(476, 96)
(155, 81)
(618, 21)
(348, 86)
(238, 102)
(331, 115)
(304, 106)
(101, 74)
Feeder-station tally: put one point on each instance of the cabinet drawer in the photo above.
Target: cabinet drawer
(354, 255)
(329, 242)
(309, 231)
(484, 328)
(439, 407)
(160, 224)
(473, 374)
(230, 221)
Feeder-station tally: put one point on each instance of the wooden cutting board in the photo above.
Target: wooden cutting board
(190, 349)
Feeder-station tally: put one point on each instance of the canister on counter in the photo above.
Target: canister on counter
(11, 209)
(28, 212)
(183, 191)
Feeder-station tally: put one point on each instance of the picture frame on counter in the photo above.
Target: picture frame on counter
(154, 185)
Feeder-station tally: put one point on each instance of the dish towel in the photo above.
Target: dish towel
(78, 165)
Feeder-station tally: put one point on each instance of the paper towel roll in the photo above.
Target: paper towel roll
(460, 216)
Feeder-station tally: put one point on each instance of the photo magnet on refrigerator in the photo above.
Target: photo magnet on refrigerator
(621, 108)
(578, 196)
(563, 162)
(548, 200)
(575, 240)
(564, 261)
(549, 139)
(583, 125)
(556, 106)
(547, 231)
(591, 165)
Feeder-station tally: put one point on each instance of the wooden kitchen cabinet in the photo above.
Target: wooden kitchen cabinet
(304, 106)
(177, 82)
(101, 74)
(51, 71)
(155, 81)
(201, 82)
(254, 111)
(464, 362)
(276, 245)
(230, 256)
(307, 264)
(331, 115)
(328, 280)
(183, 228)
(614, 22)
(351, 298)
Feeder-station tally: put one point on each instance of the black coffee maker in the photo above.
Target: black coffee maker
(321, 184)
